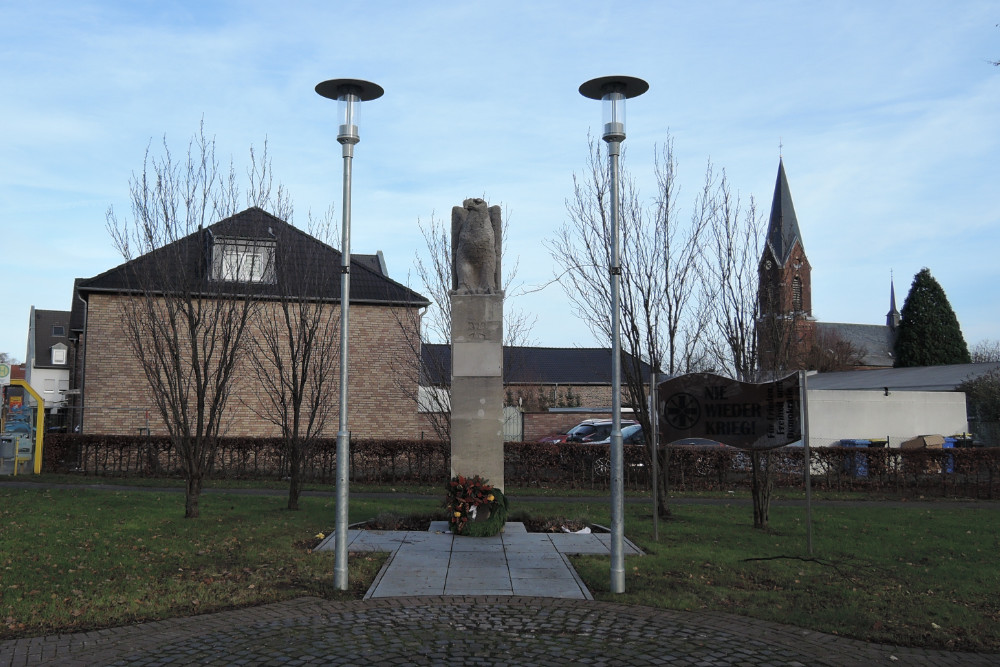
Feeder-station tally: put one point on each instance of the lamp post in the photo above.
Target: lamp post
(613, 91)
(348, 93)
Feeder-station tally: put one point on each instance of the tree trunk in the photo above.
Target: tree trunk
(663, 479)
(294, 472)
(192, 494)
(760, 486)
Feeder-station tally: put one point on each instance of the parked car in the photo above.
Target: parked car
(631, 435)
(554, 438)
(594, 430)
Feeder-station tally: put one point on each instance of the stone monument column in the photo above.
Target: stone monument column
(477, 343)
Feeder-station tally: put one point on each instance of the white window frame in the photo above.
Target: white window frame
(58, 355)
(243, 260)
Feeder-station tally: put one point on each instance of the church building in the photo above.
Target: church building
(789, 337)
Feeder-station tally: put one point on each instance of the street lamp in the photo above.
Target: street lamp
(348, 93)
(613, 91)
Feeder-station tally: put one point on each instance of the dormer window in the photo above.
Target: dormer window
(58, 354)
(243, 260)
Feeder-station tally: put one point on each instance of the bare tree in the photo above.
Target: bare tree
(662, 320)
(183, 323)
(985, 351)
(732, 287)
(829, 353)
(731, 284)
(294, 349)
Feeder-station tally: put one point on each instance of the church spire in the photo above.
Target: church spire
(783, 228)
(892, 317)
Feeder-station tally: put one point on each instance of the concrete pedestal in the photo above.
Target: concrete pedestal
(477, 386)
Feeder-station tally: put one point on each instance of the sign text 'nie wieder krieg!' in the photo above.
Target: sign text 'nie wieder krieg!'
(741, 414)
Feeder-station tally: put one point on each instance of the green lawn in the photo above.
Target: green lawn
(909, 576)
(80, 559)
(76, 559)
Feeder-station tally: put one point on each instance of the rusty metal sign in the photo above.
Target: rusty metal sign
(740, 414)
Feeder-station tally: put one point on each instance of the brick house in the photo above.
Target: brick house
(250, 252)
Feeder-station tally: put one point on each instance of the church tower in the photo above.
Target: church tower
(786, 327)
(785, 274)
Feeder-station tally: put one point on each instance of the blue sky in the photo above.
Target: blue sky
(887, 113)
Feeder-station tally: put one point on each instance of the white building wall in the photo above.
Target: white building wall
(50, 383)
(839, 414)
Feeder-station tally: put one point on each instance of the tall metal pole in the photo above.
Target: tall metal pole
(613, 91)
(343, 434)
(348, 93)
(617, 455)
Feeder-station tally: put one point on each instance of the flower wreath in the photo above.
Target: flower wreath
(475, 508)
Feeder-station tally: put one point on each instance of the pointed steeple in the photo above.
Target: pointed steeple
(783, 228)
(892, 317)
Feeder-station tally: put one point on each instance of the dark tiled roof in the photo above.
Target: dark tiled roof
(77, 317)
(875, 340)
(304, 266)
(45, 320)
(920, 378)
(531, 365)
(373, 262)
(783, 228)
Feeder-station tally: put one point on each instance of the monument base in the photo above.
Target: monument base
(477, 386)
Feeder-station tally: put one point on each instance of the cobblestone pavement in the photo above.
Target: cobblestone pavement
(478, 630)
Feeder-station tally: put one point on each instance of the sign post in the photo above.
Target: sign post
(806, 463)
(740, 414)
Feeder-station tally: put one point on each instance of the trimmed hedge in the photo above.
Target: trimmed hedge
(966, 472)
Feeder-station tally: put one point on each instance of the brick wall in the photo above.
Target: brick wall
(380, 396)
(535, 397)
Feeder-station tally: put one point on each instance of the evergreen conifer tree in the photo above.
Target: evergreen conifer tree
(929, 333)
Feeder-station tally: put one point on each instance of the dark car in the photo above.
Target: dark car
(631, 435)
(594, 430)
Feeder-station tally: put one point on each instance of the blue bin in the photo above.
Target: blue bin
(949, 460)
(856, 465)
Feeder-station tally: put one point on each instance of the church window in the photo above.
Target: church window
(796, 294)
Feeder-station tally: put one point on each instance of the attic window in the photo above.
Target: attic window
(59, 354)
(58, 330)
(243, 260)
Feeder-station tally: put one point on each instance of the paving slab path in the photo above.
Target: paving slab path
(516, 562)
